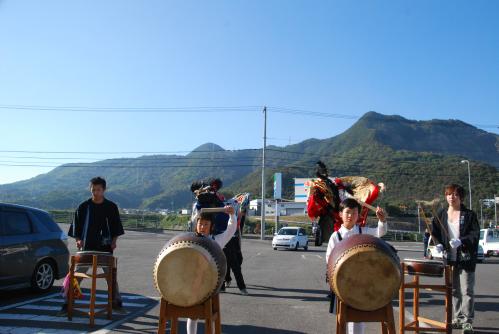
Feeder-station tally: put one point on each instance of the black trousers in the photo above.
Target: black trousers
(233, 255)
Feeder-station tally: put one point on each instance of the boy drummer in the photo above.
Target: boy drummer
(349, 212)
(205, 227)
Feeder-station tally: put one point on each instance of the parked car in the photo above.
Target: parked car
(290, 237)
(33, 249)
(489, 240)
(433, 253)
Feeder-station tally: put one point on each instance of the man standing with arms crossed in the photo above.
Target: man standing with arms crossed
(96, 227)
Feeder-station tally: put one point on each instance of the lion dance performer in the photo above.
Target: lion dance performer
(326, 193)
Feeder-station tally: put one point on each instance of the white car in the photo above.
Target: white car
(489, 240)
(290, 237)
(433, 253)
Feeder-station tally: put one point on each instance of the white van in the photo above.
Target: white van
(489, 240)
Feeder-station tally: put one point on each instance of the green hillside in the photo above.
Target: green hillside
(413, 158)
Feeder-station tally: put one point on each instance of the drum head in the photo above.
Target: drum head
(189, 270)
(366, 279)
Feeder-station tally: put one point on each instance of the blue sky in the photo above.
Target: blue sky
(419, 59)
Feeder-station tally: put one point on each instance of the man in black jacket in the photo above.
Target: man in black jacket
(457, 233)
(96, 227)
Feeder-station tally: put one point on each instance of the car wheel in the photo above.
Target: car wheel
(43, 276)
(275, 248)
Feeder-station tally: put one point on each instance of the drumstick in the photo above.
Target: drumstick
(444, 230)
(364, 204)
(212, 210)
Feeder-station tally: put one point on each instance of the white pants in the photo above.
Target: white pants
(356, 327)
(192, 326)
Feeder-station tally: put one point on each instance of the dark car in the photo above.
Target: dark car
(33, 249)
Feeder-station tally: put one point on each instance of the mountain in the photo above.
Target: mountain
(436, 136)
(414, 158)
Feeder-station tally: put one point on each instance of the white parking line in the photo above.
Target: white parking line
(109, 328)
(28, 301)
(320, 257)
(303, 257)
(33, 330)
(102, 295)
(39, 307)
(409, 317)
(47, 318)
(60, 300)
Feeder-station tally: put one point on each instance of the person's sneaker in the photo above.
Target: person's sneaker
(243, 292)
(63, 312)
(227, 284)
(467, 328)
(456, 325)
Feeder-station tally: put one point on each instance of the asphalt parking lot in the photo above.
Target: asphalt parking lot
(287, 294)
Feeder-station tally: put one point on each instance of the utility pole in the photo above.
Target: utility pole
(469, 177)
(277, 214)
(495, 210)
(262, 223)
(419, 222)
(481, 212)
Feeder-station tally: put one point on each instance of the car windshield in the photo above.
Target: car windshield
(493, 235)
(287, 231)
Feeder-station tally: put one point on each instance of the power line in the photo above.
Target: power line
(202, 109)
(123, 152)
(199, 109)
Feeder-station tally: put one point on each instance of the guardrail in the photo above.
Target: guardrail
(151, 221)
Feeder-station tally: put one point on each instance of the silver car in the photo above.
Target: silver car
(33, 249)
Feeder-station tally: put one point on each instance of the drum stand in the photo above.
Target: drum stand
(347, 314)
(209, 311)
(93, 309)
(438, 326)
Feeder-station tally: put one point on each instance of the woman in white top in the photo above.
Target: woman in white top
(456, 230)
(205, 226)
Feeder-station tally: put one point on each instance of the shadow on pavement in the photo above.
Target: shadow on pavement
(151, 326)
(8, 297)
(259, 291)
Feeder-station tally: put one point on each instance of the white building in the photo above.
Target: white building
(285, 208)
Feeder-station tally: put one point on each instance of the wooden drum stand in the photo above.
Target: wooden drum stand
(430, 268)
(208, 310)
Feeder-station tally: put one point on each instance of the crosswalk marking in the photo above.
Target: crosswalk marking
(102, 295)
(38, 315)
(33, 330)
(48, 318)
(39, 307)
(125, 304)
(28, 302)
